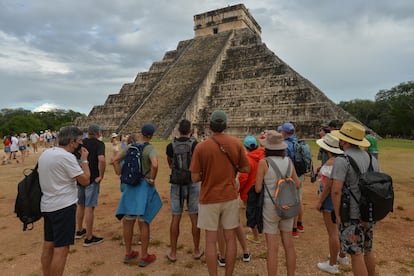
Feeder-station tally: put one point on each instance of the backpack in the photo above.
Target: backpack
(29, 194)
(131, 172)
(377, 193)
(302, 157)
(182, 153)
(286, 198)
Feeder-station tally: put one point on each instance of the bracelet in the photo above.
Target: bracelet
(84, 162)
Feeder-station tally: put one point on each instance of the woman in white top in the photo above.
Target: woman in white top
(330, 145)
(273, 225)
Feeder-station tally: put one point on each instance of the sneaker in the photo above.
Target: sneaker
(295, 234)
(301, 229)
(221, 261)
(92, 241)
(146, 261)
(325, 266)
(250, 237)
(246, 257)
(129, 257)
(343, 260)
(80, 234)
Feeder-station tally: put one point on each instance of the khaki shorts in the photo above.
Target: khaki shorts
(225, 214)
(272, 223)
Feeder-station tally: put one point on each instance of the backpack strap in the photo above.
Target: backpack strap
(223, 150)
(278, 173)
(357, 170)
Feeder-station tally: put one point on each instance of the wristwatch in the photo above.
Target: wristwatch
(84, 162)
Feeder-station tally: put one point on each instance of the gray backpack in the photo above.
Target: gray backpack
(286, 198)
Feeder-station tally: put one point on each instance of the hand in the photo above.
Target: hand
(98, 180)
(319, 206)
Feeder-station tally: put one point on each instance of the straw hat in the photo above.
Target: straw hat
(113, 135)
(330, 143)
(352, 133)
(273, 141)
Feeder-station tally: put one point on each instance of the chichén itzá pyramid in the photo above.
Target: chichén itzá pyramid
(225, 66)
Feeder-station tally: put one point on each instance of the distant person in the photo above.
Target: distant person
(23, 146)
(14, 147)
(329, 144)
(59, 171)
(179, 154)
(7, 143)
(140, 202)
(114, 144)
(356, 236)
(215, 163)
(373, 145)
(88, 196)
(322, 155)
(34, 139)
(273, 225)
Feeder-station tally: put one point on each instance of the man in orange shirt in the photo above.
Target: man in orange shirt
(215, 163)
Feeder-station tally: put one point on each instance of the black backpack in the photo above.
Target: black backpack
(29, 194)
(131, 172)
(377, 193)
(182, 153)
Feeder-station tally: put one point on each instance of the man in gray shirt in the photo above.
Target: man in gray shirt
(355, 235)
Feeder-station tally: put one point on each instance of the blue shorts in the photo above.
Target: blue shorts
(189, 193)
(88, 196)
(59, 226)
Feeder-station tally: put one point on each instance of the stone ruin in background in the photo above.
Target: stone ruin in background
(225, 66)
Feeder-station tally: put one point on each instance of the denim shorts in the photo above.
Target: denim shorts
(189, 193)
(59, 226)
(88, 196)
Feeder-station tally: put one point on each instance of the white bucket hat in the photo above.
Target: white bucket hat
(330, 143)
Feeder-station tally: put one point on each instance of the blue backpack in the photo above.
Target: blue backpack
(302, 157)
(131, 172)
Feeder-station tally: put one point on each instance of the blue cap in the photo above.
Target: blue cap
(250, 142)
(288, 128)
(148, 129)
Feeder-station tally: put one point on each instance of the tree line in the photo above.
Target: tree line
(390, 114)
(20, 120)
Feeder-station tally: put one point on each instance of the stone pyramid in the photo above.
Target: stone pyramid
(225, 66)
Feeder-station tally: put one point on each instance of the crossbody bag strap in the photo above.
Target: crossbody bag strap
(223, 150)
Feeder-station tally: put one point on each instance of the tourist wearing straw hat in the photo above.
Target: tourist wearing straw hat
(355, 235)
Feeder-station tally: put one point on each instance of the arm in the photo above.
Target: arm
(294, 175)
(336, 193)
(261, 171)
(154, 169)
(101, 168)
(84, 178)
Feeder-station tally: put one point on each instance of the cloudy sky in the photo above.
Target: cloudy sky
(73, 54)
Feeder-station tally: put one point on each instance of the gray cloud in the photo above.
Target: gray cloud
(75, 53)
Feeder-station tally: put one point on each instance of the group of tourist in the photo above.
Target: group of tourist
(216, 172)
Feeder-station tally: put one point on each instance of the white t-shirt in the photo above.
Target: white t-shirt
(34, 138)
(58, 170)
(15, 144)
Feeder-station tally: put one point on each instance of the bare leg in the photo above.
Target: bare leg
(60, 255)
(231, 250)
(358, 265)
(242, 239)
(196, 234)
(174, 233)
(80, 213)
(145, 233)
(290, 252)
(370, 263)
(89, 216)
(211, 252)
(128, 229)
(333, 239)
(46, 258)
(272, 245)
(221, 242)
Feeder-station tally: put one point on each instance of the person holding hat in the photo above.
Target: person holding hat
(273, 225)
(355, 235)
(215, 163)
(329, 144)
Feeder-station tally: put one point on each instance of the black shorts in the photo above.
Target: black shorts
(59, 226)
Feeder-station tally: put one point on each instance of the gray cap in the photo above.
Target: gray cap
(94, 129)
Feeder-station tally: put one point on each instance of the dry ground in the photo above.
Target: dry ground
(20, 251)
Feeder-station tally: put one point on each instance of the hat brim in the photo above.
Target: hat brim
(325, 146)
(362, 143)
(269, 146)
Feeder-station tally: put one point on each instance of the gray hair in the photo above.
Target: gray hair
(68, 134)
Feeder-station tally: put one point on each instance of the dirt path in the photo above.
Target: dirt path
(20, 251)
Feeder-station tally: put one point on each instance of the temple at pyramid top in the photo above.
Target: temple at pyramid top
(225, 19)
(224, 66)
